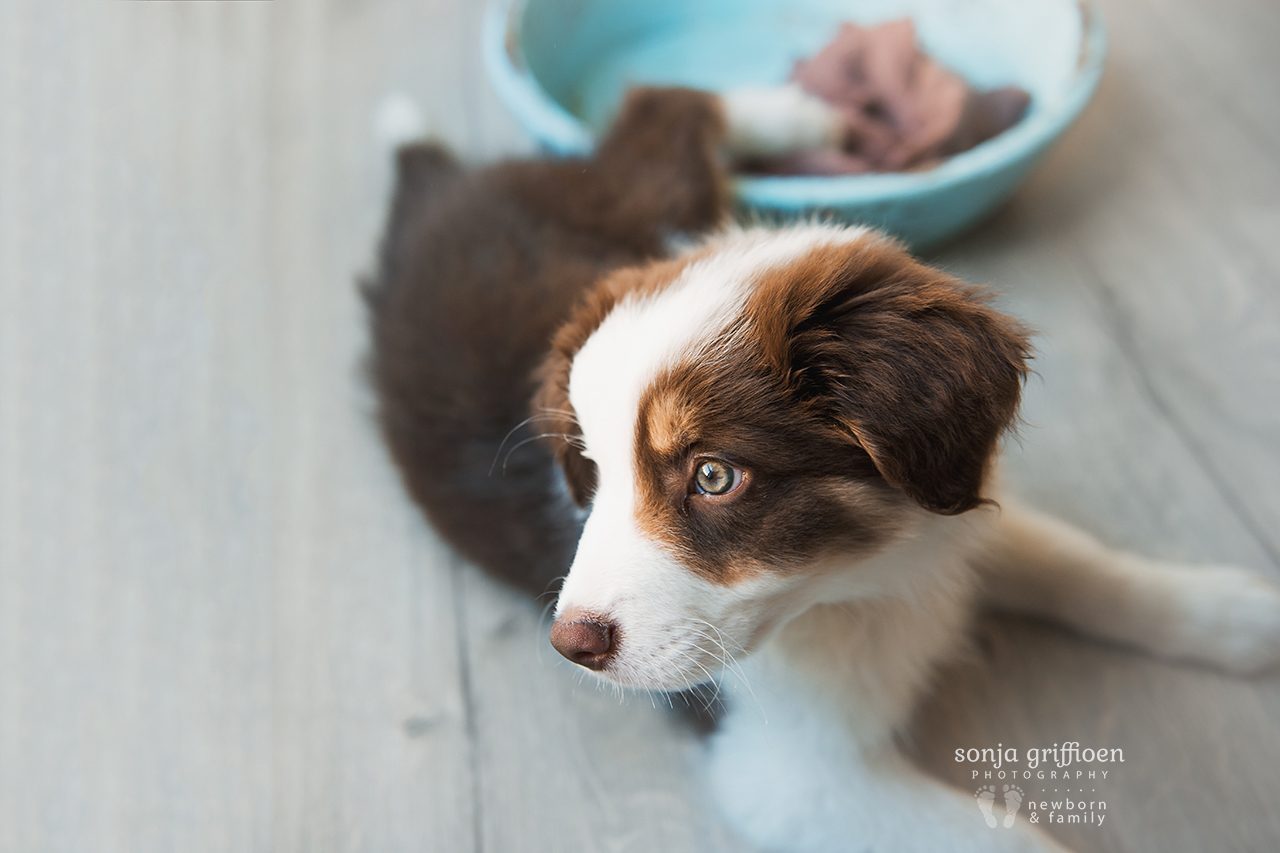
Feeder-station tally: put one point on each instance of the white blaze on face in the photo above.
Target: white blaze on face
(672, 624)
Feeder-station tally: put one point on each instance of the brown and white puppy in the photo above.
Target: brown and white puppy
(771, 441)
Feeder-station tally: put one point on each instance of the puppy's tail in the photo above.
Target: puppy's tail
(400, 131)
(423, 170)
(398, 121)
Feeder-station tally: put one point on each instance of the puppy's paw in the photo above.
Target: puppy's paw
(773, 120)
(1230, 618)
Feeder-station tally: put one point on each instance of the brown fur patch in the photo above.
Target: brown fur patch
(670, 423)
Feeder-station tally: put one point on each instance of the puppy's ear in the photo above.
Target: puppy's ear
(912, 364)
(552, 410)
(553, 416)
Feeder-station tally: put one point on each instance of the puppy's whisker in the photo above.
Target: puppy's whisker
(542, 617)
(726, 655)
(512, 432)
(570, 439)
(572, 416)
(730, 662)
(549, 591)
(710, 677)
(720, 641)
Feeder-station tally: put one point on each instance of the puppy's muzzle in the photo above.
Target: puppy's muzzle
(587, 641)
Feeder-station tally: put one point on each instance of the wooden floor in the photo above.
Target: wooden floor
(223, 627)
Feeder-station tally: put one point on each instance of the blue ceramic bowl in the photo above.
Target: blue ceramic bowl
(561, 67)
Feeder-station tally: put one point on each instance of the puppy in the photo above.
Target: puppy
(768, 451)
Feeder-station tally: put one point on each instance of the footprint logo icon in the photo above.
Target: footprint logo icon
(986, 797)
(1012, 802)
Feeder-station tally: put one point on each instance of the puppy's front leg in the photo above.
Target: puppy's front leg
(805, 761)
(790, 790)
(1220, 615)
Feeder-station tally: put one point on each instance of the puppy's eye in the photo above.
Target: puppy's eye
(714, 477)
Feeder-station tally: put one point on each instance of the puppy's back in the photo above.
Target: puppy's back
(474, 279)
(477, 272)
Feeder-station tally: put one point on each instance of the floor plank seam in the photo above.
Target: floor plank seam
(471, 725)
(1124, 337)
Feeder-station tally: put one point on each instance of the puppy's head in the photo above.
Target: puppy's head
(753, 419)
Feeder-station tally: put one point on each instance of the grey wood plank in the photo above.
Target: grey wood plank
(136, 575)
(1226, 48)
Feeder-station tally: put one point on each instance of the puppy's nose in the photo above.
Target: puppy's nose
(588, 642)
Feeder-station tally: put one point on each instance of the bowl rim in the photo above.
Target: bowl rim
(564, 134)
